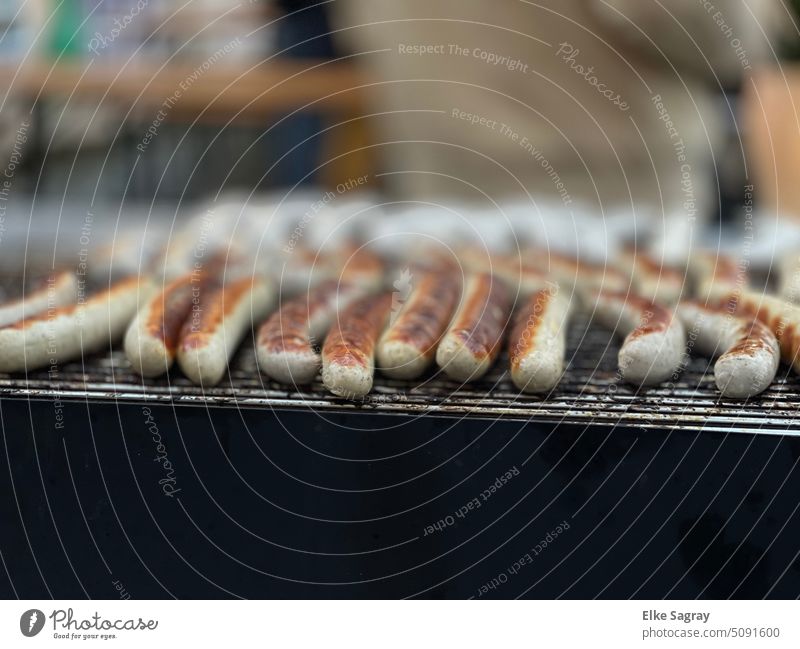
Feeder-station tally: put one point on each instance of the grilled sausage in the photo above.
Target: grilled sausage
(348, 356)
(60, 289)
(654, 339)
(748, 351)
(714, 275)
(781, 318)
(65, 333)
(650, 278)
(152, 338)
(407, 347)
(520, 277)
(538, 342)
(362, 267)
(789, 277)
(301, 271)
(472, 342)
(201, 240)
(214, 330)
(581, 275)
(304, 269)
(285, 345)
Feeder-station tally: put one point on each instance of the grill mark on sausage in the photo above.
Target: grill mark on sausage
(792, 342)
(509, 268)
(753, 335)
(655, 268)
(755, 338)
(426, 317)
(287, 330)
(726, 271)
(353, 337)
(480, 324)
(214, 308)
(360, 262)
(582, 267)
(528, 319)
(779, 323)
(51, 314)
(651, 266)
(168, 311)
(515, 271)
(658, 321)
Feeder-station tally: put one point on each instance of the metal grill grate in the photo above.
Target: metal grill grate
(590, 392)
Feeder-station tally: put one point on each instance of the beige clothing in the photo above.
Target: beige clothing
(604, 104)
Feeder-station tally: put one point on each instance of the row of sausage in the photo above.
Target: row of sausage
(457, 316)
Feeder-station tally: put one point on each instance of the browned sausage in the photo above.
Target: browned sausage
(538, 342)
(152, 338)
(472, 342)
(650, 278)
(520, 276)
(748, 351)
(212, 332)
(571, 272)
(64, 333)
(348, 356)
(407, 347)
(781, 317)
(654, 339)
(362, 267)
(285, 345)
(714, 274)
(59, 289)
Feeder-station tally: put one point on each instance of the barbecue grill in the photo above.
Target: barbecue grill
(591, 392)
(670, 490)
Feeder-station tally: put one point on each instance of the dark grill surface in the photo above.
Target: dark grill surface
(590, 392)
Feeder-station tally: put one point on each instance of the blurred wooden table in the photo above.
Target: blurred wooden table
(219, 92)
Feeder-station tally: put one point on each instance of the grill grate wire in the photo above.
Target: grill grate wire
(590, 392)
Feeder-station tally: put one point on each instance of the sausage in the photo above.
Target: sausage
(538, 342)
(214, 330)
(407, 347)
(781, 318)
(362, 267)
(789, 277)
(132, 251)
(348, 356)
(152, 338)
(472, 342)
(301, 271)
(654, 339)
(65, 333)
(205, 236)
(570, 272)
(650, 278)
(59, 289)
(748, 351)
(285, 343)
(304, 269)
(520, 277)
(714, 274)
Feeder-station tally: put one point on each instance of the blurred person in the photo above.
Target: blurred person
(303, 33)
(609, 108)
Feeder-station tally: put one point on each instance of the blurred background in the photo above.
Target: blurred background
(658, 118)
